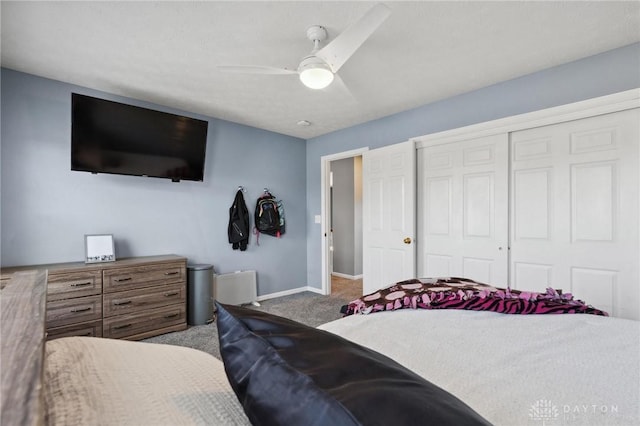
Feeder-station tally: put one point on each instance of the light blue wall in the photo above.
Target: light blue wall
(47, 208)
(599, 75)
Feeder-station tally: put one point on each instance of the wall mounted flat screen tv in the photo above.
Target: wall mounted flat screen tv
(111, 137)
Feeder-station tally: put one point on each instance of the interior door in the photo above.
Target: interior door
(575, 210)
(388, 215)
(463, 210)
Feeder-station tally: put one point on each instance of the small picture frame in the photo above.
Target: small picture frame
(99, 248)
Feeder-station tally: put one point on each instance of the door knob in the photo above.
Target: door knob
(407, 240)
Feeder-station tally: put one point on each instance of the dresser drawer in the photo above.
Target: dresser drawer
(136, 325)
(143, 276)
(132, 301)
(91, 329)
(71, 311)
(73, 284)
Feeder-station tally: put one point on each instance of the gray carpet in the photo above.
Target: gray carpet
(308, 308)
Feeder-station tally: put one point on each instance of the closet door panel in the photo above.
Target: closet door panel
(438, 205)
(462, 209)
(438, 266)
(574, 210)
(532, 204)
(477, 205)
(531, 276)
(593, 202)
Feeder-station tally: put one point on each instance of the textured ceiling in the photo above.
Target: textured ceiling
(167, 52)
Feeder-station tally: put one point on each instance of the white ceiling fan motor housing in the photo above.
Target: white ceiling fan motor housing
(314, 72)
(316, 33)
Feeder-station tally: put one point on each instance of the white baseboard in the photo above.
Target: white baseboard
(288, 293)
(314, 290)
(346, 276)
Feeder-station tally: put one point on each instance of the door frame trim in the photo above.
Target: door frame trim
(325, 208)
(621, 101)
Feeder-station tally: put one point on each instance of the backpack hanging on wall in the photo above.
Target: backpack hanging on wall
(238, 229)
(281, 215)
(269, 215)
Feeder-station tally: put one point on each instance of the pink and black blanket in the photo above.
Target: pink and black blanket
(463, 293)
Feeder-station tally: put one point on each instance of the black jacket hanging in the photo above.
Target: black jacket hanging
(238, 223)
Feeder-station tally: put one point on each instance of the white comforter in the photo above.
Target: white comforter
(515, 369)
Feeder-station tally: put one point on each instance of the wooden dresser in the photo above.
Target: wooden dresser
(132, 298)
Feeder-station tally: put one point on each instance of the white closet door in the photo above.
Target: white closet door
(388, 210)
(463, 210)
(574, 210)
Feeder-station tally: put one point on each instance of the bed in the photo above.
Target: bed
(511, 357)
(516, 357)
(397, 366)
(515, 370)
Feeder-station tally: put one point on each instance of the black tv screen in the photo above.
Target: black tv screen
(111, 137)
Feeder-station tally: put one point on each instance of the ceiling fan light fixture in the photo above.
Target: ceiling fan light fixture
(314, 73)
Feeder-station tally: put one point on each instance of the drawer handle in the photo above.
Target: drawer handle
(126, 302)
(173, 293)
(171, 316)
(80, 310)
(120, 327)
(119, 280)
(172, 273)
(80, 284)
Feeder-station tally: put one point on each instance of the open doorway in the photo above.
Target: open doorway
(342, 224)
(345, 232)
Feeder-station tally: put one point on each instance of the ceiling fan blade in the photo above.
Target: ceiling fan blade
(336, 53)
(252, 69)
(339, 88)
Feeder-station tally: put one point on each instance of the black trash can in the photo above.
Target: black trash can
(199, 294)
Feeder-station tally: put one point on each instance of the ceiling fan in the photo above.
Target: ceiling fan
(317, 69)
